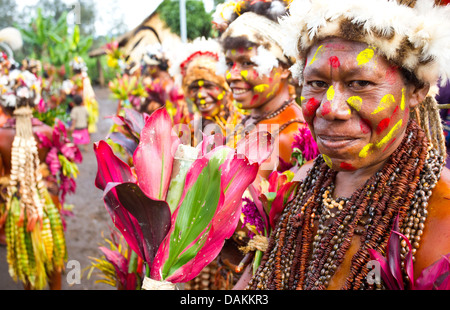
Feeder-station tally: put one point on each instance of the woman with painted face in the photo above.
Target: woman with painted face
(366, 77)
(208, 92)
(258, 73)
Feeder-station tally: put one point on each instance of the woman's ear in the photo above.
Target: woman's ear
(418, 94)
(285, 72)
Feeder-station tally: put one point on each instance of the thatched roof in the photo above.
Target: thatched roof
(151, 30)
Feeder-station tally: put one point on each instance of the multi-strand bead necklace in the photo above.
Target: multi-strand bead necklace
(315, 231)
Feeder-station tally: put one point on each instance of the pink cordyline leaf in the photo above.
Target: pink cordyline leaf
(112, 170)
(386, 274)
(393, 255)
(284, 195)
(237, 175)
(119, 262)
(276, 180)
(153, 157)
(45, 141)
(53, 161)
(436, 276)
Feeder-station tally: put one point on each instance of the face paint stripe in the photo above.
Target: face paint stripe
(385, 102)
(330, 93)
(346, 166)
(315, 54)
(365, 150)
(326, 108)
(355, 102)
(244, 74)
(327, 160)
(390, 134)
(402, 103)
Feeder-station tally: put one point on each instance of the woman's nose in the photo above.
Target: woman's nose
(334, 105)
(234, 73)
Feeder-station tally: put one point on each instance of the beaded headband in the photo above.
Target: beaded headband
(415, 37)
(200, 60)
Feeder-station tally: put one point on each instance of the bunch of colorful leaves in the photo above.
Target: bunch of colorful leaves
(119, 265)
(263, 207)
(434, 277)
(62, 159)
(114, 55)
(127, 88)
(172, 100)
(174, 213)
(127, 129)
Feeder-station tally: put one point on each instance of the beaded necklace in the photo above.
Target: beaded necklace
(300, 256)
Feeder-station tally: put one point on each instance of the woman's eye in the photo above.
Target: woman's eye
(359, 83)
(229, 64)
(318, 84)
(248, 63)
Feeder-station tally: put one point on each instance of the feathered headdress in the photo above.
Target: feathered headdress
(415, 35)
(199, 60)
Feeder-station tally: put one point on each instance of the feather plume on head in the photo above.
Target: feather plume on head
(12, 37)
(257, 23)
(414, 35)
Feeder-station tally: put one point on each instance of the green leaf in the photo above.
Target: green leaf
(194, 215)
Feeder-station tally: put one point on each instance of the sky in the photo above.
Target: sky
(132, 11)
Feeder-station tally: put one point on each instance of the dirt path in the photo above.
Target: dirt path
(84, 229)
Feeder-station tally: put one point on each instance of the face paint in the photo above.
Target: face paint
(383, 125)
(228, 76)
(402, 103)
(389, 144)
(327, 160)
(365, 56)
(201, 83)
(330, 93)
(364, 125)
(326, 108)
(316, 54)
(310, 107)
(202, 101)
(365, 150)
(385, 102)
(221, 95)
(346, 166)
(244, 74)
(334, 62)
(390, 134)
(261, 88)
(274, 89)
(355, 102)
(390, 75)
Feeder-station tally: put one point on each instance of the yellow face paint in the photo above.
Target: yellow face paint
(274, 89)
(228, 76)
(330, 93)
(201, 83)
(233, 52)
(202, 101)
(365, 56)
(365, 150)
(199, 95)
(390, 134)
(315, 55)
(385, 102)
(327, 160)
(261, 88)
(244, 74)
(221, 95)
(402, 103)
(355, 102)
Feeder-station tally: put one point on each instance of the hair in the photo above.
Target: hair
(78, 100)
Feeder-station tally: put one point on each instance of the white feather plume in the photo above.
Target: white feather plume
(12, 37)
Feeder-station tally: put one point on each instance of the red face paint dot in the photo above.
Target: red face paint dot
(389, 144)
(364, 125)
(383, 125)
(334, 61)
(326, 108)
(346, 166)
(309, 109)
